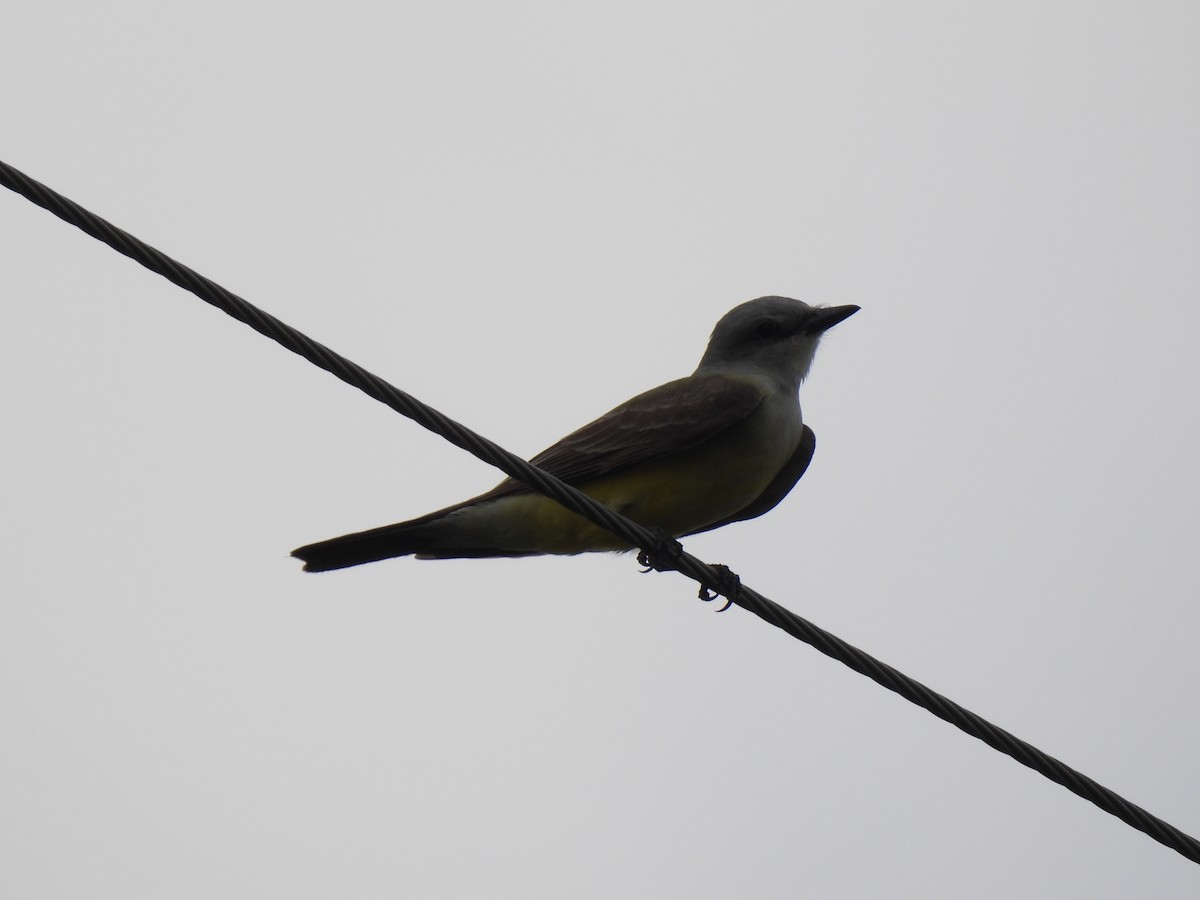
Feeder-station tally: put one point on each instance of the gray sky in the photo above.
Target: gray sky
(524, 214)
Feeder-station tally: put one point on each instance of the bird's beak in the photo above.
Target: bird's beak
(823, 319)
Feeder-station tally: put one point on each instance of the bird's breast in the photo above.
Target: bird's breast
(680, 493)
(686, 491)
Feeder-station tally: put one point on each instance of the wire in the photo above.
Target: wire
(662, 553)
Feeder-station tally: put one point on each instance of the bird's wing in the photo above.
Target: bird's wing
(668, 419)
(780, 485)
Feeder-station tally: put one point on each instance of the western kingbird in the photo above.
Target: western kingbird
(724, 444)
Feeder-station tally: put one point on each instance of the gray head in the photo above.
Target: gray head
(774, 336)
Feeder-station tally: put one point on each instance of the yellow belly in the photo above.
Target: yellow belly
(679, 494)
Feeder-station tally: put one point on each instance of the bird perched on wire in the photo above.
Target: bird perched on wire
(724, 444)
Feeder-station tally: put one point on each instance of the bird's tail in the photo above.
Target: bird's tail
(438, 535)
(402, 539)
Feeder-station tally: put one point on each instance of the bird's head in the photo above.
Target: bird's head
(775, 336)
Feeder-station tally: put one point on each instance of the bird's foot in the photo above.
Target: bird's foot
(728, 585)
(662, 555)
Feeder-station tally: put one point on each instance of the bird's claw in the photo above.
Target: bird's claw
(728, 585)
(662, 555)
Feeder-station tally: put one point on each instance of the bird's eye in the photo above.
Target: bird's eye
(766, 329)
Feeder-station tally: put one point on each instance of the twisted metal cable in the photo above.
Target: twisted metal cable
(668, 554)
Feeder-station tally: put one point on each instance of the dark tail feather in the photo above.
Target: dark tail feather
(435, 536)
(364, 547)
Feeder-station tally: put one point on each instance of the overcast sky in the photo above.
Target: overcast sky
(524, 213)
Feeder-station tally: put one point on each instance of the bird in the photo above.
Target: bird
(724, 444)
